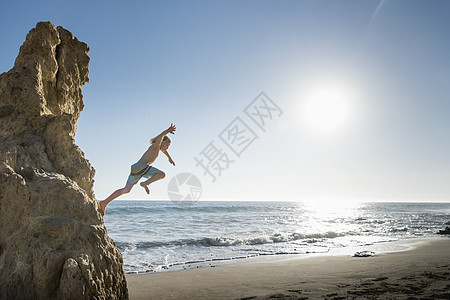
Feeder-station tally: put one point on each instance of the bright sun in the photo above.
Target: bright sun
(327, 110)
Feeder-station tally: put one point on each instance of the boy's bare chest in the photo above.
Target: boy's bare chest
(150, 155)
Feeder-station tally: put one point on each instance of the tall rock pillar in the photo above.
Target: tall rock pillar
(53, 242)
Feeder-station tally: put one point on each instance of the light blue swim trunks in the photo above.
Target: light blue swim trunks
(139, 170)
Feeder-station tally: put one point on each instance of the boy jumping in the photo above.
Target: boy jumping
(143, 167)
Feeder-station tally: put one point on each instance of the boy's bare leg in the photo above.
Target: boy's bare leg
(114, 195)
(155, 177)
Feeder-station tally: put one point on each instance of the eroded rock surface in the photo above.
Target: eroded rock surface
(53, 243)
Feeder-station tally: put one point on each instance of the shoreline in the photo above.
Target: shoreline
(378, 248)
(421, 269)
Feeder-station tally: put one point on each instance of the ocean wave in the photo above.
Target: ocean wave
(132, 210)
(148, 210)
(442, 215)
(150, 268)
(230, 241)
(147, 207)
(399, 229)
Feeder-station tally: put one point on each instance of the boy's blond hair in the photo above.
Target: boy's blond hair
(165, 139)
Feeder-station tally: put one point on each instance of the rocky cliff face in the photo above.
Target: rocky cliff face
(53, 243)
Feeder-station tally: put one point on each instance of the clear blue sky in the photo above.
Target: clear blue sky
(199, 64)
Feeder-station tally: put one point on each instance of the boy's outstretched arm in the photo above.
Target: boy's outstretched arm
(168, 156)
(159, 138)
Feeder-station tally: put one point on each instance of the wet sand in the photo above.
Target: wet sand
(422, 272)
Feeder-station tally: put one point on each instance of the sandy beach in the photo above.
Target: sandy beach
(423, 272)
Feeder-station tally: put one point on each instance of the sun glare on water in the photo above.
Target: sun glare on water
(332, 206)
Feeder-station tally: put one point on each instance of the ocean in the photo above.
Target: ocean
(155, 236)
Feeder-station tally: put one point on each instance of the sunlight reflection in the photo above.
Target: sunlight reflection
(332, 216)
(332, 207)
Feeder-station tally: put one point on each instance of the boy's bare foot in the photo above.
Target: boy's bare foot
(102, 206)
(145, 187)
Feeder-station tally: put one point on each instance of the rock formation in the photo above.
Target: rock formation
(445, 231)
(53, 243)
